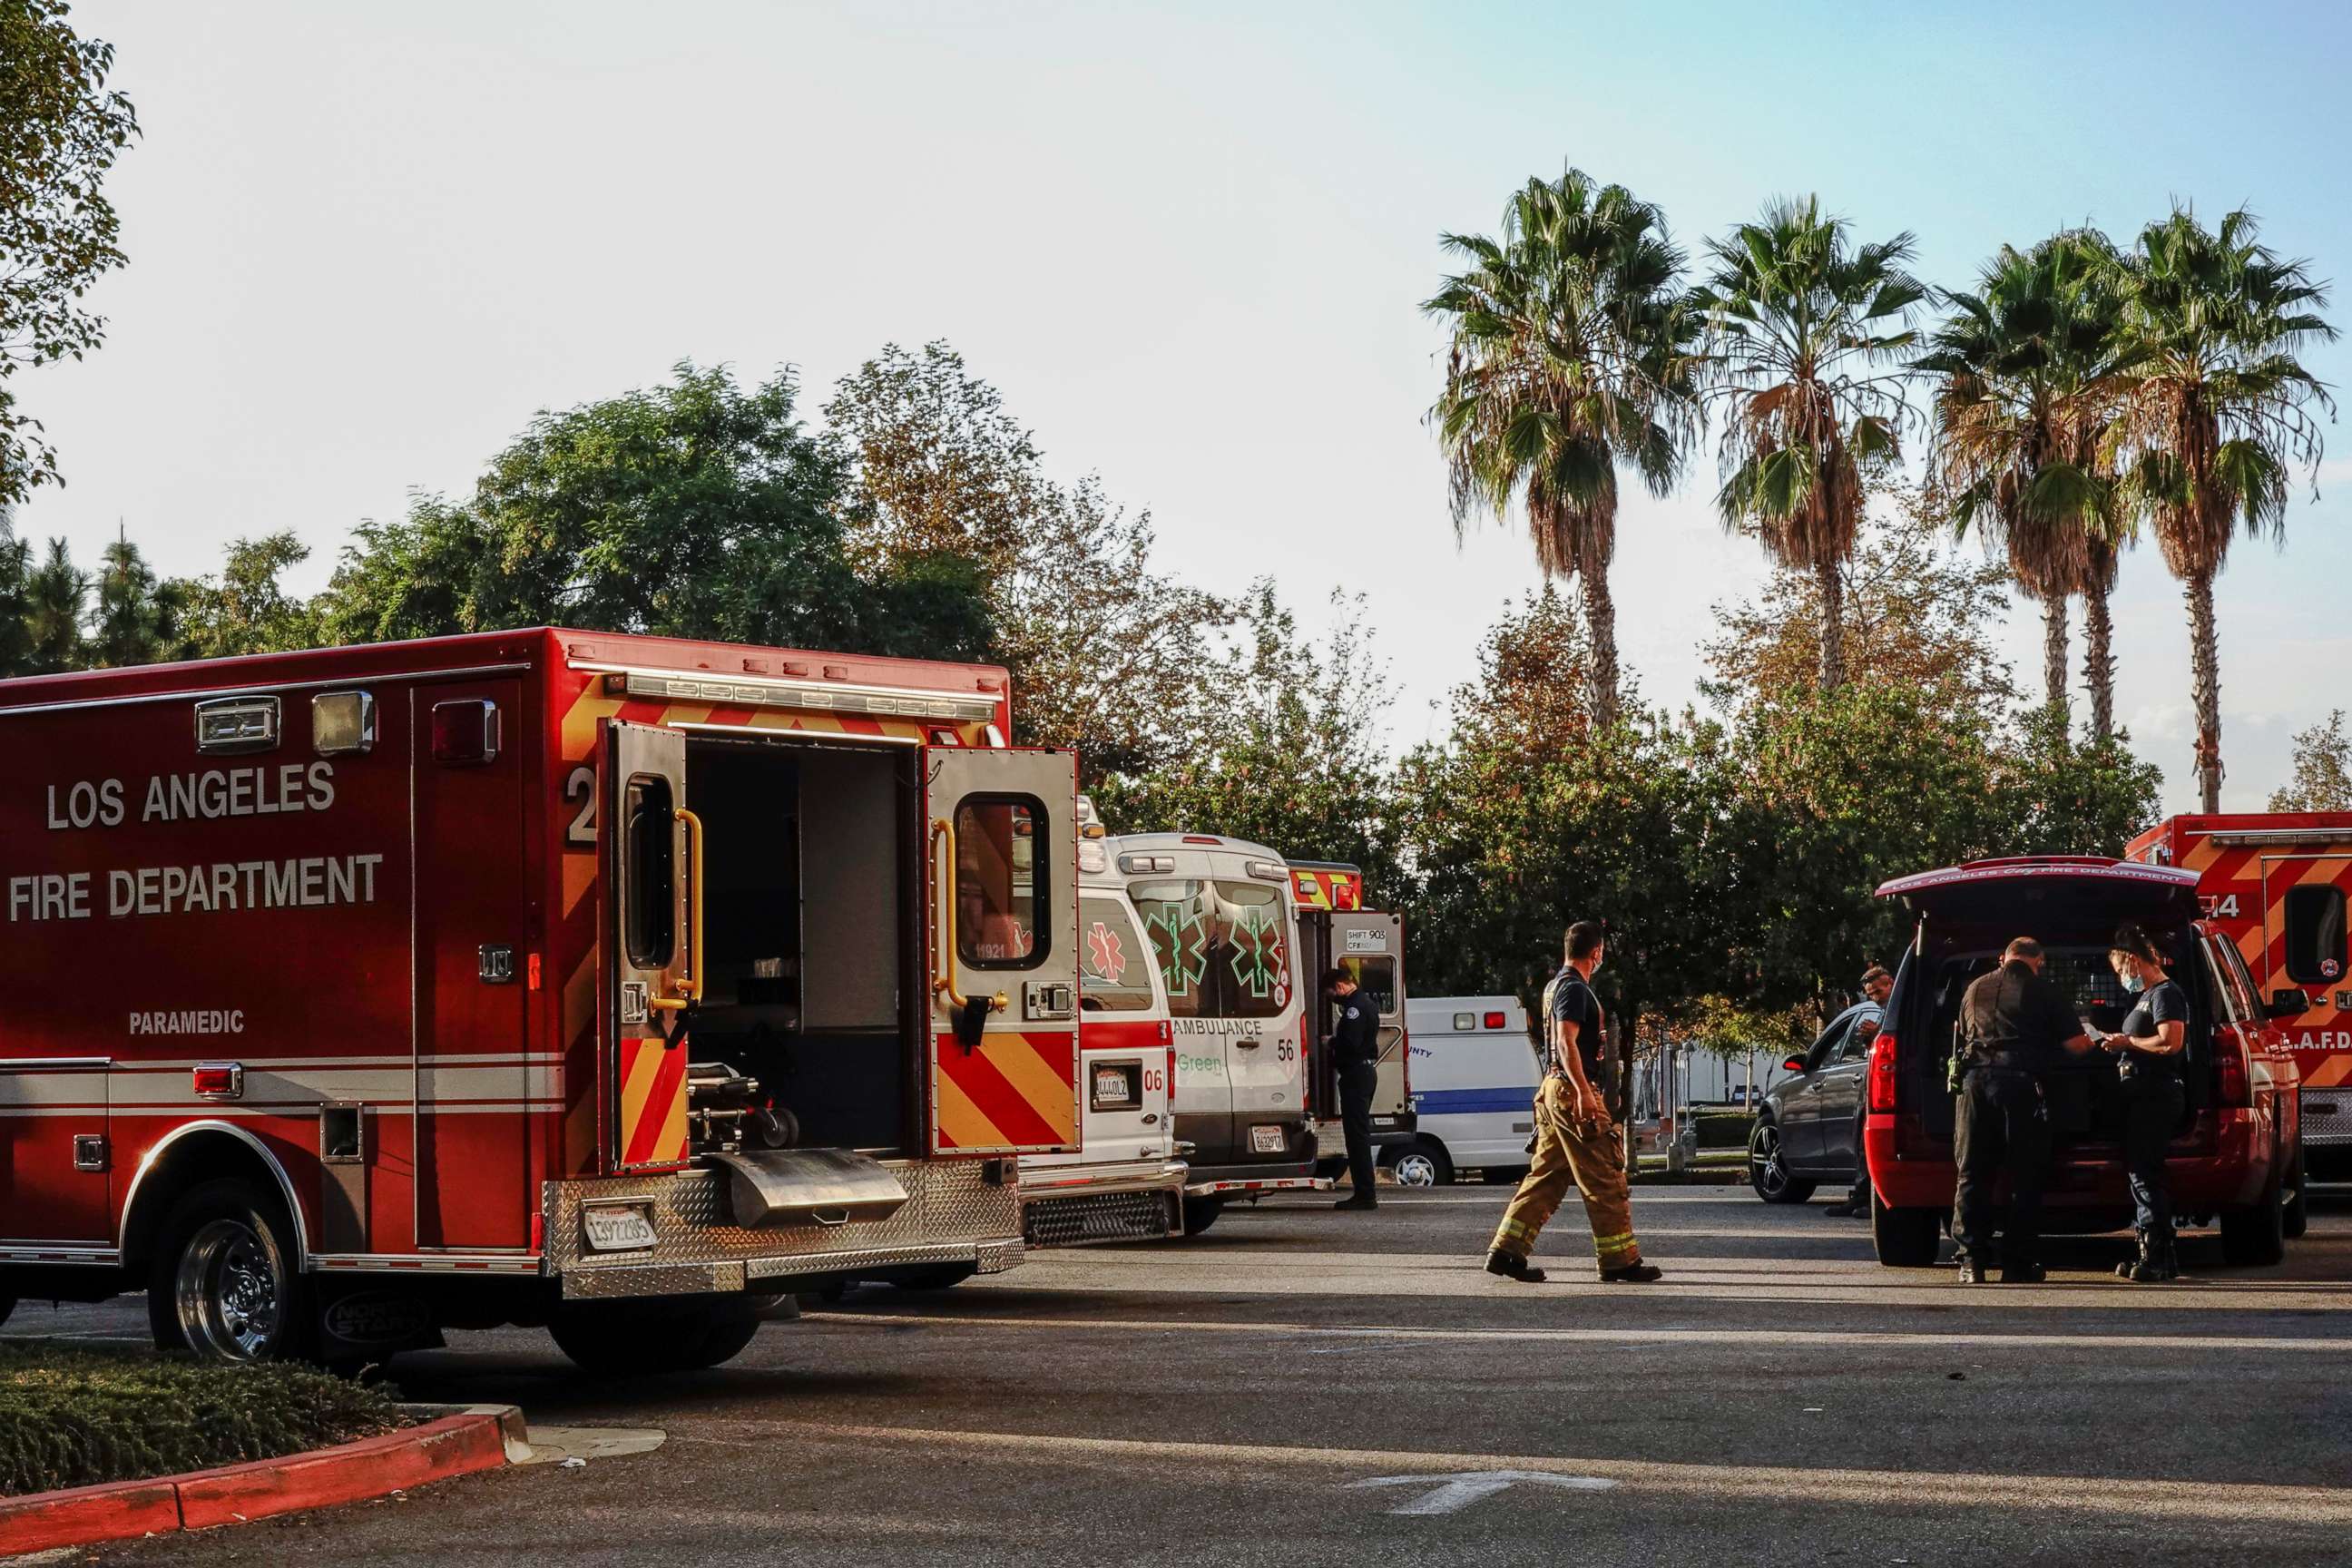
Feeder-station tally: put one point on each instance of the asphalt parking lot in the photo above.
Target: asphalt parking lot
(1298, 1386)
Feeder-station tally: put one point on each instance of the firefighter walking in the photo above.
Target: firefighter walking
(1577, 1142)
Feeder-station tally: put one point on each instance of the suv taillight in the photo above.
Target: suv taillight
(2230, 1072)
(1882, 1072)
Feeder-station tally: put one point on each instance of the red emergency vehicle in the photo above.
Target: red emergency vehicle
(2274, 884)
(615, 984)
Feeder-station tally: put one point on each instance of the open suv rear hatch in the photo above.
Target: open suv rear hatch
(2072, 905)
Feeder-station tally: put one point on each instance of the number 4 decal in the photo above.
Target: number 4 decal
(2222, 907)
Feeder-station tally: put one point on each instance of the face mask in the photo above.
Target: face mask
(2133, 984)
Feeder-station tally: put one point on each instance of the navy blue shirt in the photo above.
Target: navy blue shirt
(1572, 1002)
(1356, 1038)
(2162, 1003)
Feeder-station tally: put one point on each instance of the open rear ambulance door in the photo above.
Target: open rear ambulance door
(1002, 900)
(648, 872)
(1369, 945)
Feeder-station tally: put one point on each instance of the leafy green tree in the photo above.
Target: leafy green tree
(2029, 374)
(1915, 617)
(1105, 649)
(2323, 770)
(1806, 333)
(245, 608)
(15, 600)
(693, 509)
(61, 131)
(56, 594)
(1571, 354)
(1277, 744)
(135, 618)
(2218, 412)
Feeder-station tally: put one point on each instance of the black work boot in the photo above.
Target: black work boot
(1635, 1273)
(2168, 1261)
(2023, 1274)
(1511, 1266)
(1357, 1201)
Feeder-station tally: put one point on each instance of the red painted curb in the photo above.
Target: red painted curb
(453, 1446)
(115, 1510)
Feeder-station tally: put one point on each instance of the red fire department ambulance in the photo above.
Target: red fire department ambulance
(616, 984)
(2274, 883)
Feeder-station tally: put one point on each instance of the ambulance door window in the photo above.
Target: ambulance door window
(1376, 977)
(1116, 967)
(650, 921)
(2314, 934)
(1250, 949)
(1175, 920)
(1001, 916)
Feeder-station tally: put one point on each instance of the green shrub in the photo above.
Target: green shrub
(78, 1416)
(1724, 1129)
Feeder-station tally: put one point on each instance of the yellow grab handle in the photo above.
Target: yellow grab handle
(941, 828)
(690, 988)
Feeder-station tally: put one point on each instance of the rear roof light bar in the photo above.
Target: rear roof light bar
(760, 692)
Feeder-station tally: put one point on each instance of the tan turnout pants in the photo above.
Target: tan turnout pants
(1588, 1156)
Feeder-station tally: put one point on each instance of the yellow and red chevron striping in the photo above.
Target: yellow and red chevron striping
(653, 1101)
(1014, 1091)
(1336, 890)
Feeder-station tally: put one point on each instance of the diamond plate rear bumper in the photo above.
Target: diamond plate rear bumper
(953, 1217)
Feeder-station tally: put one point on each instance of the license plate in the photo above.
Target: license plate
(619, 1229)
(1266, 1140)
(1114, 1090)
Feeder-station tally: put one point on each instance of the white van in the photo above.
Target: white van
(1219, 916)
(1474, 1077)
(1127, 1183)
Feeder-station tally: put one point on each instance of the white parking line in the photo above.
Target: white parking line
(1406, 1337)
(2141, 1500)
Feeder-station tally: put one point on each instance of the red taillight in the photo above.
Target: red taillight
(2230, 1073)
(1882, 1072)
(1496, 1020)
(1167, 1034)
(1305, 1059)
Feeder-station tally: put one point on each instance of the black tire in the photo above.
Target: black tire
(224, 1284)
(937, 1279)
(1200, 1214)
(1768, 1167)
(620, 1339)
(1904, 1239)
(2255, 1237)
(2293, 1223)
(1423, 1162)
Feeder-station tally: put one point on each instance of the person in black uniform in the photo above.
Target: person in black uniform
(1356, 1052)
(2149, 1047)
(2013, 1024)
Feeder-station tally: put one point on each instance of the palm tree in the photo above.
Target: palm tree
(1572, 353)
(1805, 330)
(54, 595)
(2218, 410)
(2028, 376)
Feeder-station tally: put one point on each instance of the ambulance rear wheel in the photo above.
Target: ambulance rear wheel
(1200, 1214)
(223, 1284)
(620, 1341)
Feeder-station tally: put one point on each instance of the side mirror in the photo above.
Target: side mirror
(1794, 1064)
(2288, 1002)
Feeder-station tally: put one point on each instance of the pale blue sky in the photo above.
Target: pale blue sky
(1188, 243)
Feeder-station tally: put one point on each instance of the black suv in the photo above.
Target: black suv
(1809, 1129)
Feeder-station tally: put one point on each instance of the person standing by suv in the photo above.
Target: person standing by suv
(2149, 1047)
(2013, 1024)
(1877, 985)
(1356, 1052)
(1577, 1140)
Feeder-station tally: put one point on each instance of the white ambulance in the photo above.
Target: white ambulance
(1219, 916)
(1474, 1077)
(1128, 1183)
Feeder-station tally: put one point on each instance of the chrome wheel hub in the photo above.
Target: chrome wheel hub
(1415, 1170)
(227, 1292)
